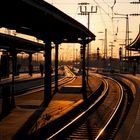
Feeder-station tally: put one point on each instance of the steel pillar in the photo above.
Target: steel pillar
(47, 79)
(56, 67)
(14, 64)
(30, 64)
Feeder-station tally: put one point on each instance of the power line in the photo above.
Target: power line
(102, 8)
(102, 19)
(106, 3)
(108, 14)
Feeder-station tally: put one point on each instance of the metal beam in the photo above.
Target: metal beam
(47, 79)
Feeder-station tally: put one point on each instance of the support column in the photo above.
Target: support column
(84, 88)
(5, 71)
(30, 64)
(56, 67)
(30, 58)
(47, 79)
(14, 65)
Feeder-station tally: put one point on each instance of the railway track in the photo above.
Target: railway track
(102, 119)
(36, 88)
(30, 85)
(29, 93)
(99, 120)
(38, 85)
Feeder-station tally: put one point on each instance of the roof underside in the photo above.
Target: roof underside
(135, 45)
(9, 42)
(42, 20)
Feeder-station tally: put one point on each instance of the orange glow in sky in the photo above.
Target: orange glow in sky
(116, 27)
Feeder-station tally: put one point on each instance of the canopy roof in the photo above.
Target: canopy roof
(10, 42)
(135, 45)
(42, 20)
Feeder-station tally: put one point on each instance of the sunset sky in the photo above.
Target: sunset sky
(116, 27)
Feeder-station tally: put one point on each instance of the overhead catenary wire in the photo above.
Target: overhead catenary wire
(102, 18)
(102, 9)
(108, 14)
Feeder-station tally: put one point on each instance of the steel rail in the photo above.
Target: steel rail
(54, 136)
(41, 87)
(64, 80)
(83, 113)
(114, 113)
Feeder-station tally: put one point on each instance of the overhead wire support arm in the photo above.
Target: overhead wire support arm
(135, 2)
(85, 11)
(134, 14)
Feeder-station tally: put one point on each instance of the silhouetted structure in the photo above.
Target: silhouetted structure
(30, 69)
(41, 69)
(53, 26)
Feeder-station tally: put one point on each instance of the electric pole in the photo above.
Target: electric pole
(105, 45)
(126, 34)
(86, 9)
(111, 45)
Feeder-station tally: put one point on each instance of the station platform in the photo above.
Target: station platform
(131, 125)
(21, 76)
(29, 110)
